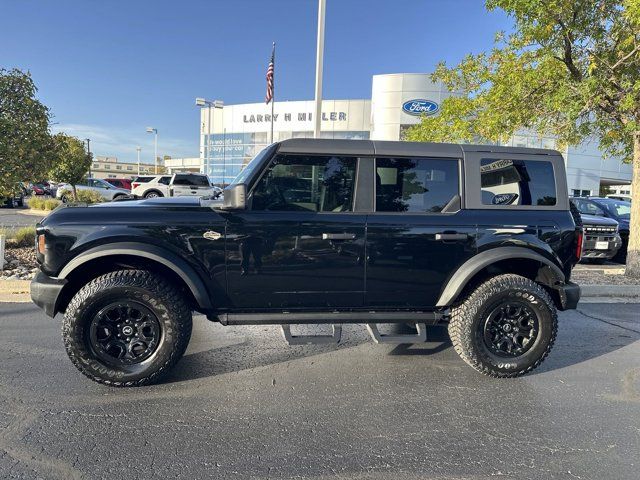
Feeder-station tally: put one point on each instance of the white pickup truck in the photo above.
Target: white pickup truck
(177, 185)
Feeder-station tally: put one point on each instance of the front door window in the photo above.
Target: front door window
(307, 184)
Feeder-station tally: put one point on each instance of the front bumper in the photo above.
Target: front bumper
(45, 292)
(613, 244)
(569, 295)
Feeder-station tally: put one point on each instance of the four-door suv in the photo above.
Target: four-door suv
(106, 190)
(480, 238)
(601, 238)
(177, 185)
(618, 210)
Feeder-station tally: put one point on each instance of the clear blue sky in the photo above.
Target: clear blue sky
(108, 69)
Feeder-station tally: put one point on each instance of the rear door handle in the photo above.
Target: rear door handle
(338, 236)
(448, 237)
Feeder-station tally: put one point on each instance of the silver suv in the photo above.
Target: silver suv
(108, 191)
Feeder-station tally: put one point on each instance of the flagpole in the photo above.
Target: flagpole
(273, 99)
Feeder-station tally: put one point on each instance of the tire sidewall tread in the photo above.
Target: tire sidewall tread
(161, 297)
(463, 326)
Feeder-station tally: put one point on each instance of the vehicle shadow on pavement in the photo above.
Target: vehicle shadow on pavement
(580, 338)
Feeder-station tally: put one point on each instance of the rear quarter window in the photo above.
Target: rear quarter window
(191, 180)
(517, 182)
(142, 179)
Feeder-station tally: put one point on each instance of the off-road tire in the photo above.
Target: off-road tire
(143, 287)
(465, 326)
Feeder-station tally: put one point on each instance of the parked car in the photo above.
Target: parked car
(108, 191)
(177, 185)
(16, 198)
(41, 189)
(124, 183)
(478, 238)
(601, 238)
(618, 210)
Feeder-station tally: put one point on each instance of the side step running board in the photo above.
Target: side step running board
(312, 339)
(419, 337)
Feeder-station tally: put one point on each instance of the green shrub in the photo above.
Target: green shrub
(84, 196)
(51, 204)
(89, 196)
(40, 203)
(24, 237)
(36, 203)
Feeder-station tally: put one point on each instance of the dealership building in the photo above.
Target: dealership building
(230, 136)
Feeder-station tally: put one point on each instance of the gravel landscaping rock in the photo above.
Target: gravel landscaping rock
(599, 277)
(21, 264)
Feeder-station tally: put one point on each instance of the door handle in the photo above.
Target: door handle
(338, 236)
(448, 237)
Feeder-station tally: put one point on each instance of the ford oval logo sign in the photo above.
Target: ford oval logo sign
(420, 107)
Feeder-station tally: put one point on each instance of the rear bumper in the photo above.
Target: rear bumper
(45, 292)
(569, 295)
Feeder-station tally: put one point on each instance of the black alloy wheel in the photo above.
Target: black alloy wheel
(124, 333)
(510, 329)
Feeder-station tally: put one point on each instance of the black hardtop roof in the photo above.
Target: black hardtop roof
(321, 146)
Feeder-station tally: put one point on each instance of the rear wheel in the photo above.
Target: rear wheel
(152, 194)
(126, 328)
(505, 327)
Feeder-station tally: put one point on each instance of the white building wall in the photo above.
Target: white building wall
(240, 131)
(390, 92)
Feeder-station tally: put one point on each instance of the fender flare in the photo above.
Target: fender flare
(467, 270)
(151, 252)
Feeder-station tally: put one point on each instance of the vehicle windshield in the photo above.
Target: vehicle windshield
(245, 174)
(618, 208)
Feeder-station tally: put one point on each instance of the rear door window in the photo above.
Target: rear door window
(517, 182)
(423, 185)
(164, 180)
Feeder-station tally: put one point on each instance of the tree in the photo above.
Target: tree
(571, 68)
(25, 142)
(71, 162)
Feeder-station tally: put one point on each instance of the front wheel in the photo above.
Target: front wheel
(126, 328)
(505, 327)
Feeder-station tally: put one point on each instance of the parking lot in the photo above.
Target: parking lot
(16, 218)
(243, 404)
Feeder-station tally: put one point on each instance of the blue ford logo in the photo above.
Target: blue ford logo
(420, 107)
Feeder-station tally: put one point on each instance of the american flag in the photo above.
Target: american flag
(269, 96)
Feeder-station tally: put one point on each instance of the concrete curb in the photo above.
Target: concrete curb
(619, 291)
(35, 213)
(15, 291)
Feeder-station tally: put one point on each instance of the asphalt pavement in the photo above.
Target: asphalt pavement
(16, 218)
(243, 404)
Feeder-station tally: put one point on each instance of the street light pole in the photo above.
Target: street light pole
(89, 153)
(138, 150)
(203, 102)
(155, 146)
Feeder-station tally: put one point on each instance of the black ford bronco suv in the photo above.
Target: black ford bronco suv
(323, 231)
